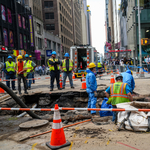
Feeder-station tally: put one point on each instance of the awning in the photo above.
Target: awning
(119, 51)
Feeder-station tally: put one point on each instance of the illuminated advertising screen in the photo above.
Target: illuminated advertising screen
(11, 39)
(25, 42)
(5, 37)
(19, 21)
(9, 15)
(23, 22)
(3, 12)
(21, 43)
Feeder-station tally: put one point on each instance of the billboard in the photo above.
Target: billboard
(31, 30)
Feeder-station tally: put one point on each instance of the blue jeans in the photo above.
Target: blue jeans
(92, 102)
(65, 74)
(10, 76)
(114, 114)
(33, 81)
(29, 76)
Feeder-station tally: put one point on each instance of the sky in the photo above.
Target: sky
(97, 8)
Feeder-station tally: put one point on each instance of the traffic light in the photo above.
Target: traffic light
(145, 41)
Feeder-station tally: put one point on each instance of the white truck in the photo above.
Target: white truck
(82, 56)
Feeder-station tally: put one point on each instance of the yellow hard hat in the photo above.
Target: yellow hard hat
(131, 72)
(92, 65)
(20, 57)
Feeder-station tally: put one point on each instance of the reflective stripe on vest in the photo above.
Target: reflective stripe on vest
(28, 65)
(118, 93)
(70, 65)
(10, 66)
(51, 67)
(99, 65)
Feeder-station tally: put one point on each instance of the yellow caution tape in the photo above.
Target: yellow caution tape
(71, 145)
(33, 146)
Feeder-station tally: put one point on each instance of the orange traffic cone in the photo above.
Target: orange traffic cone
(1, 90)
(60, 81)
(83, 82)
(73, 77)
(58, 139)
(112, 80)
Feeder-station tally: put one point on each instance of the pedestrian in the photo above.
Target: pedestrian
(37, 69)
(99, 66)
(67, 67)
(118, 92)
(30, 68)
(33, 80)
(128, 78)
(148, 63)
(43, 69)
(21, 74)
(91, 84)
(9, 69)
(53, 64)
(40, 70)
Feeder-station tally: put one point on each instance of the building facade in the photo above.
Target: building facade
(89, 26)
(14, 29)
(57, 18)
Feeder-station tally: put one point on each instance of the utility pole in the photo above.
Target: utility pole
(140, 51)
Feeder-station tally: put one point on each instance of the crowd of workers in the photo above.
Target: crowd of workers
(119, 92)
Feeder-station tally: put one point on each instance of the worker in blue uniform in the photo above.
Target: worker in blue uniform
(91, 84)
(128, 78)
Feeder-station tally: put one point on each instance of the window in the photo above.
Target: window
(11, 39)
(49, 15)
(50, 27)
(5, 37)
(61, 28)
(19, 21)
(60, 17)
(39, 43)
(9, 16)
(48, 4)
(3, 12)
(25, 42)
(38, 28)
(62, 39)
(60, 6)
(21, 43)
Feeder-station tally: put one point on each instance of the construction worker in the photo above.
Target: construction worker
(118, 92)
(9, 69)
(30, 68)
(67, 68)
(99, 66)
(33, 81)
(128, 78)
(91, 84)
(21, 73)
(53, 64)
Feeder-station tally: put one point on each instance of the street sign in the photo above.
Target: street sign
(48, 53)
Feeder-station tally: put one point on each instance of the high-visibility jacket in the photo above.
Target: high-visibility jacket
(118, 93)
(70, 65)
(24, 67)
(10, 66)
(51, 67)
(99, 65)
(28, 65)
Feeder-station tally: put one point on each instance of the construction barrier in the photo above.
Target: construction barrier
(79, 109)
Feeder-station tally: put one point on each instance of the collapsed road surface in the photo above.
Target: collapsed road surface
(88, 135)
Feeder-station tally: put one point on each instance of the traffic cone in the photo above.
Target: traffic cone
(112, 80)
(83, 82)
(1, 90)
(73, 77)
(58, 139)
(60, 81)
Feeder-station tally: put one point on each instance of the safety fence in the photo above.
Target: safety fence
(79, 109)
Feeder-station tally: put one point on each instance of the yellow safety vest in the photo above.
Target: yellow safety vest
(51, 67)
(64, 65)
(99, 65)
(10, 66)
(28, 65)
(24, 67)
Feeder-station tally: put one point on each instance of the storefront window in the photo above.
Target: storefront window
(25, 42)
(9, 16)
(19, 21)
(3, 12)
(23, 22)
(21, 43)
(11, 38)
(5, 37)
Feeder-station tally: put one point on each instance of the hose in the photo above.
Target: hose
(18, 101)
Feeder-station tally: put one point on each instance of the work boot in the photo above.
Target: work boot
(72, 87)
(26, 92)
(59, 89)
(63, 87)
(51, 89)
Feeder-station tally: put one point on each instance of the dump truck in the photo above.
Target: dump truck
(82, 56)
